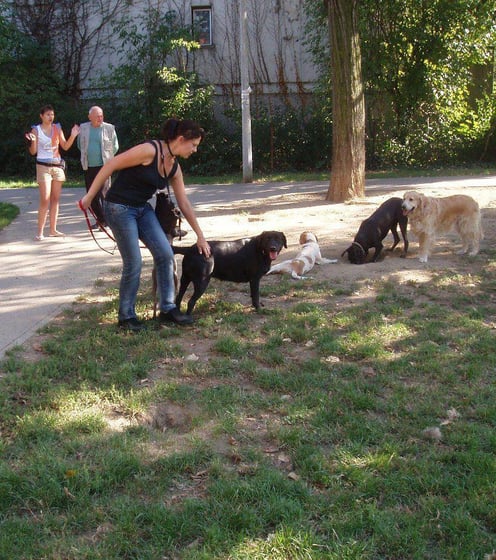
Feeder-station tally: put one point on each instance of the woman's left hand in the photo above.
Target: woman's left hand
(203, 247)
(83, 204)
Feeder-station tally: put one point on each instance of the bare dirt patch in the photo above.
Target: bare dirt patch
(336, 225)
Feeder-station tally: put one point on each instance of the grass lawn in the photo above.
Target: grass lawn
(310, 430)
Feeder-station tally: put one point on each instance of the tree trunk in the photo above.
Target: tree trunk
(348, 106)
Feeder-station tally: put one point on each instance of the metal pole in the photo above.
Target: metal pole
(245, 97)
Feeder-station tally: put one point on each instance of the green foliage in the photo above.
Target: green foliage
(424, 95)
(22, 93)
(285, 138)
(428, 72)
(145, 89)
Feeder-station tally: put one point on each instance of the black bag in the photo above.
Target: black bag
(168, 214)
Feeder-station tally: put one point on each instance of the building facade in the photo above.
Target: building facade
(279, 67)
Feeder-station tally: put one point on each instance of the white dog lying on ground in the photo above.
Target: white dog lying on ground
(305, 260)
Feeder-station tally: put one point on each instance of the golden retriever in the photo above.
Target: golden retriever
(305, 260)
(429, 217)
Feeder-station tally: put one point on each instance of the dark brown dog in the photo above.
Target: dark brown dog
(169, 217)
(375, 228)
(242, 260)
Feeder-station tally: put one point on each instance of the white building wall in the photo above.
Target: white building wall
(279, 65)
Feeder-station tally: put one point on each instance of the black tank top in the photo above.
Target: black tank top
(133, 186)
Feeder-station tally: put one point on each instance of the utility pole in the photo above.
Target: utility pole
(245, 96)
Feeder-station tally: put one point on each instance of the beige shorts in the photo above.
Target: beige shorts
(45, 174)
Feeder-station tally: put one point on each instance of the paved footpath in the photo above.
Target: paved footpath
(39, 279)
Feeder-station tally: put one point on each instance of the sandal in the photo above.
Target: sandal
(39, 237)
(57, 234)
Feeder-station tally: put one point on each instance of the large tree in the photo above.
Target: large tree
(348, 106)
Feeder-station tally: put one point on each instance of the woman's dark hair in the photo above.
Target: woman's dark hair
(172, 128)
(46, 108)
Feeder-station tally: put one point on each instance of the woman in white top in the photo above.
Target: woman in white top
(44, 141)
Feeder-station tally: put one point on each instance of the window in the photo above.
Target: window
(202, 25)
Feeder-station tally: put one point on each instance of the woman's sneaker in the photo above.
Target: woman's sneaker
(175, 316)
(131, 324)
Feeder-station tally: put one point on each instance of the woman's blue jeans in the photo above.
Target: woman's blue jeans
(130, 225)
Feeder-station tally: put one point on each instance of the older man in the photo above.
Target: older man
(98, 143)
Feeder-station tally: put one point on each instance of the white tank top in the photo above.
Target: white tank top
(48, 147)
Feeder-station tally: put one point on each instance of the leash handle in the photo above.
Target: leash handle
(90, 229)
(103, 228)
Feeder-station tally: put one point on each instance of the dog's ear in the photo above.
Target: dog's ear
(421, 200)
(307, 237)
(285, 242)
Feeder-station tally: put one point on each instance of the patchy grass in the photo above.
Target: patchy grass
(309, 430)
(8, 212)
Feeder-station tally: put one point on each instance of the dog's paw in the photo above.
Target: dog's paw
(423, 258)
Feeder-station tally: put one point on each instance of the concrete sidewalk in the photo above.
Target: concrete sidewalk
(39, 279)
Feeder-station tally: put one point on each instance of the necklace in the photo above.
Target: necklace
(173, 156)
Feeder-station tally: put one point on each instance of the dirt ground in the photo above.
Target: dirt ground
(336, 225)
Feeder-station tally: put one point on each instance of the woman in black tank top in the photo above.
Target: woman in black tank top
(142, 170)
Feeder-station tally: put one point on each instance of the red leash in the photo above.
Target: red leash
(102, 227)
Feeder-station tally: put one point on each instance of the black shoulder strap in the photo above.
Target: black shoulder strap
(173, 170)
(153, 143)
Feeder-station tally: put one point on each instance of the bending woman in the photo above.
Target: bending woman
(142, 170)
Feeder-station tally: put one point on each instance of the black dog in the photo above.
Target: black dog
(375, 228)
(243, 260)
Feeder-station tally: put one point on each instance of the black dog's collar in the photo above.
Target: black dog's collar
(358, 245)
